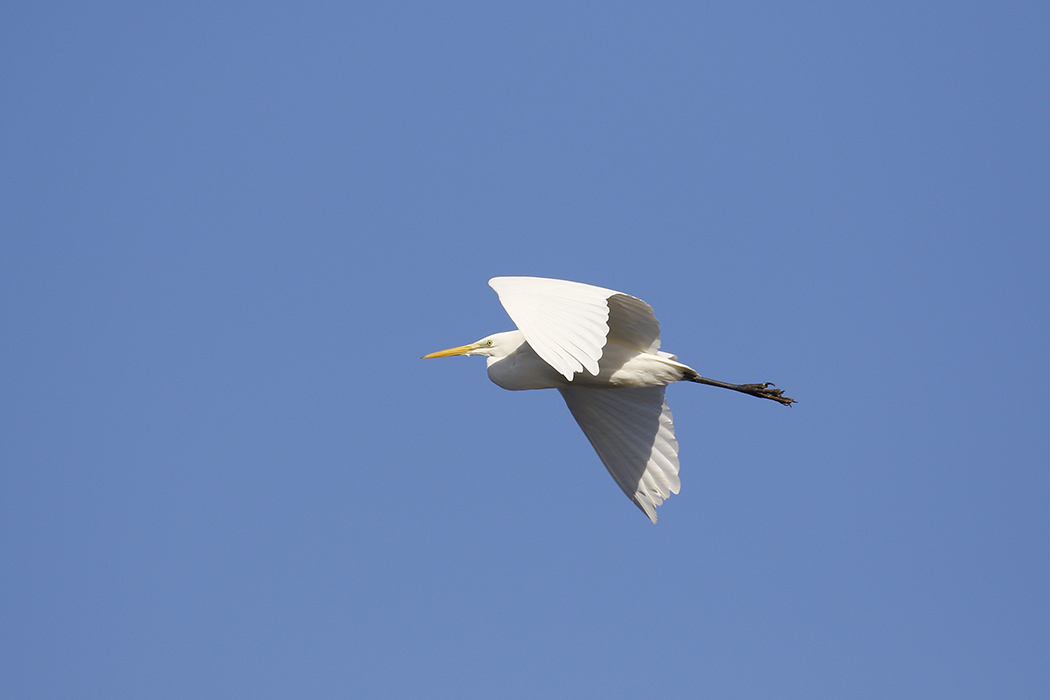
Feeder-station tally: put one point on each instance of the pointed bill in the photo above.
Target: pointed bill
(461, 350)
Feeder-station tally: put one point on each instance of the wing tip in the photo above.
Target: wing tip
(648, 508)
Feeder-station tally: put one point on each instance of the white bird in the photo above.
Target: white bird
(600, 349)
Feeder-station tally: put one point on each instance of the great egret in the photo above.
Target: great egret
(600, 349)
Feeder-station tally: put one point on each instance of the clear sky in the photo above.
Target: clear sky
(230, 230)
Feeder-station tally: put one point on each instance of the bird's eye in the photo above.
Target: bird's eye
(487, 344)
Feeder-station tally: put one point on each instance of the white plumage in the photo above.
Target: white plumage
(568, 323)
(632, 430)
(600, 349)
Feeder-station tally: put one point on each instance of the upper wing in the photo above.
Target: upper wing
(632, 324)
(632, 430)
(568, 323)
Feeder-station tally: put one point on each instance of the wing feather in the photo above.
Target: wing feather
(633, 324)
(569, 323)
(632, 430)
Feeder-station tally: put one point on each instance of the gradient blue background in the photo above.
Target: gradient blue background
(229, 231)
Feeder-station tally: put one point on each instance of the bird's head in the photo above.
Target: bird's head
(497, 345)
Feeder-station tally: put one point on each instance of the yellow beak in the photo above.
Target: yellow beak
(461, 350)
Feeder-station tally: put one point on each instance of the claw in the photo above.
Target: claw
(763, 391)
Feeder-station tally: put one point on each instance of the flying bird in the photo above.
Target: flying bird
(600, 349)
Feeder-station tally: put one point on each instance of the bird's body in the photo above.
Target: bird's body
(517, 367)
(600, 349)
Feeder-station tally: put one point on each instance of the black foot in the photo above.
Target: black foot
(764, 392)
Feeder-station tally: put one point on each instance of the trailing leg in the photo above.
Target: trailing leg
(762, 391)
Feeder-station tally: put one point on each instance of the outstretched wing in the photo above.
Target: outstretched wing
(632, 430)
(568, 323)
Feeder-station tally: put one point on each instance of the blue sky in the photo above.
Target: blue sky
(230, 230)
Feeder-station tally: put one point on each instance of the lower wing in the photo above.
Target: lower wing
(633, 433)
